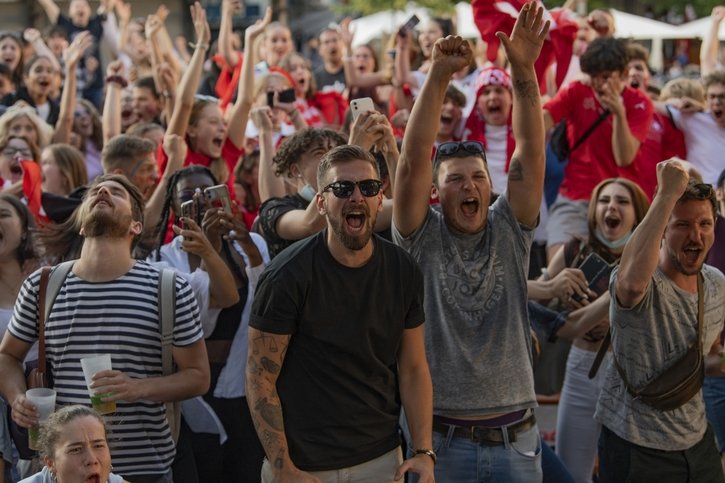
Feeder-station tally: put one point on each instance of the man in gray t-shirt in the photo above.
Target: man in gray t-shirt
(654, 320)
(474, 257)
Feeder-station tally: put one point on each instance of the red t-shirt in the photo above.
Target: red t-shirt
(230, 153)
(593, 161)
(663, 141)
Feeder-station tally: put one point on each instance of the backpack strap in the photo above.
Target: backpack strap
(56, 278)
(167, 316)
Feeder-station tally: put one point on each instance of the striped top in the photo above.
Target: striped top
(120, 318)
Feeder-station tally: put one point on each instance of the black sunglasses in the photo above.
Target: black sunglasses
(452, 147)
(345, 189)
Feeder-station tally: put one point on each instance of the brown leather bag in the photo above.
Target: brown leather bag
(680, 382)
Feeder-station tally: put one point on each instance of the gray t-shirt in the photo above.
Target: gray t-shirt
(477, 329)
(647, 338)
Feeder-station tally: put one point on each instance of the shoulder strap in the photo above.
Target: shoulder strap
(55, 281)
(608, 338)
(167, 316)
(51, 279)
(591, 129)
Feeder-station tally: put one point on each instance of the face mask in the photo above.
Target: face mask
(612, 245)
(308, 192)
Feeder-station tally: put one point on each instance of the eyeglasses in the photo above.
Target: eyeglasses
(345, 189)
(11, 152)
(452, 147)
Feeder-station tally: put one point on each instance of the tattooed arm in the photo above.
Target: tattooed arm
(526, 171)
(264, 362)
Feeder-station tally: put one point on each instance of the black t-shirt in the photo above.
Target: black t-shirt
(327, 81)
(338, 384)
(270, 212)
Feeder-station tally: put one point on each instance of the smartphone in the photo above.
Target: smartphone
(287, 96)
(218, 197)
(358, 106)
(187, 209)
(409, 25)
(596, 270)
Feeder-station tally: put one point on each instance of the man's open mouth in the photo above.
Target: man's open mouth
(470, 206)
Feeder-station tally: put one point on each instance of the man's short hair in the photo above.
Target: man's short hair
(454, 94)
(124, 151)
(637, 51)
(343, 154)
(714, 78)
(330, 29)
(300, 142)
(604, 54)
(698, 191)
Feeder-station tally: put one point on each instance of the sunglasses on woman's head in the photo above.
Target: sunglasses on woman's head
(345, 189)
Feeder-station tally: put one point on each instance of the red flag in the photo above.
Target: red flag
(33, 187)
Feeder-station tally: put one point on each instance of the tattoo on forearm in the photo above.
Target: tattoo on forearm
(279, 461)
(527, 90)
(269, 365)
(271, 414)
(269, 438)
(516, 170)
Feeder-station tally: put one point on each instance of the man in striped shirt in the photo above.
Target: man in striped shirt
(108, 303)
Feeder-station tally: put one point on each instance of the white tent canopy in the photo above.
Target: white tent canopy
(699, 28)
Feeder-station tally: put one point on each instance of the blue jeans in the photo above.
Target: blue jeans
(464, 461)
(713, 390)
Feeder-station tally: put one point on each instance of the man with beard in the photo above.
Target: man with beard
(474, 255)
(336, 343)
(109, 304)
(659, 291)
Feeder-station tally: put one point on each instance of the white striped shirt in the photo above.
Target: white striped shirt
(120, 318)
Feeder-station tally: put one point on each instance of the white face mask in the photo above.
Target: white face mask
(612, 245)
(308, 192)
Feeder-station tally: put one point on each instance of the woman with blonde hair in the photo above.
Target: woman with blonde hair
(24, 121)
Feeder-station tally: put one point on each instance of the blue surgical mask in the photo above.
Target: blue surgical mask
(308, 192)
(612, 245)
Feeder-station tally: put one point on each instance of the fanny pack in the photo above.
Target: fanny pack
(680, 382)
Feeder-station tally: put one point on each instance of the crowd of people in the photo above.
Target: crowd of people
(368, 253)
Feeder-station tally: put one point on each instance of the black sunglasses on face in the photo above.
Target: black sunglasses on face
(452, 147)
(345, 189)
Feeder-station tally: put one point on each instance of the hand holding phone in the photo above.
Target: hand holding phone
(358, 106)
(408, 25)
(218, 197)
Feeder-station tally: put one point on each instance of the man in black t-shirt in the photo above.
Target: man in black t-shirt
(330, 76)
(336, 343)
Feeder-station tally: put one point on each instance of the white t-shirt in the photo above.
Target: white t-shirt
(496, 144)
(705, 142)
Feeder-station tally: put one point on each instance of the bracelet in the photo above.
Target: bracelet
(117, 79)
(428, 452)
(199, 44)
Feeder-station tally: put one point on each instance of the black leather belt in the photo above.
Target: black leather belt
(484, 435)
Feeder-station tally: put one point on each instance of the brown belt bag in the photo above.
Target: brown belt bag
(683, 380)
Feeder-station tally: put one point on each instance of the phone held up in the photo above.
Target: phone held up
(408, 25)
(363, 104)
(286, 96)
(218, 197)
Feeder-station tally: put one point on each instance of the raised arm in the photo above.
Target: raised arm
(402, 60)
(624, 144)
(226, 49)
(33, 37)
(190, 80)
(266, 355)
(641, 254)
(71, 56)
(526, 171)
(51, 9)
(414, 176)
(175, 148)
(239, 113)
(711, 42)
(270, 185)
(112, 104)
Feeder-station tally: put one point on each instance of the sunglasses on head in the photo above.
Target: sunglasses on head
(345, 189)
(452, 147)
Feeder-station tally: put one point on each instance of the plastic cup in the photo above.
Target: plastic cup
(91, 366)
(44, 400)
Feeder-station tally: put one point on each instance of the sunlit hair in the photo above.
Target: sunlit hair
(45, 131)
(696, 190)
(52, 430)
(286, 64)
(714, 78)
(71, 164)
(135, 196)
(683, 87)
(262, 83)
(640, 203)
(293, 147)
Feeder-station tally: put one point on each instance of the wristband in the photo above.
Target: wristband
(428, 452)
(199, 44)
(117, 79)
